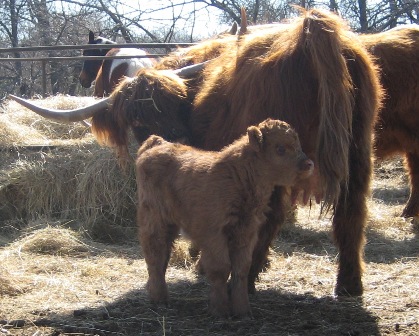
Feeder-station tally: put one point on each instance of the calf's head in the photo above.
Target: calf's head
(279, 153)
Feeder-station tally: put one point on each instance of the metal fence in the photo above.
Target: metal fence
(165, 47)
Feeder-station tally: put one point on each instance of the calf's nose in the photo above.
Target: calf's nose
(306, 165)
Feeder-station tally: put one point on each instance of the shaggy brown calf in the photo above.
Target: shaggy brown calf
(219, 199)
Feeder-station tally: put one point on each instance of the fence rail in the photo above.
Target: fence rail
(45, 59)
(98, 46)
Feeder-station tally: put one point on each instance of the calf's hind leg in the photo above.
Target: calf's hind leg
(156, 239)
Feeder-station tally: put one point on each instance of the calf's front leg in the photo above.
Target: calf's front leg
(267, 232)
(156, 240)
(241, 250)
(216, 263)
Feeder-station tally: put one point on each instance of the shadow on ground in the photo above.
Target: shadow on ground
(274, 313)
(379, 248)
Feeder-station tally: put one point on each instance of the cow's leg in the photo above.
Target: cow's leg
(267, 233)
(348, 229)
(349, 224)
(156, 239)
(216, 262)
(412, 207)
(241, 250)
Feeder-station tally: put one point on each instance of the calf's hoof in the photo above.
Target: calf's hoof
(157, 295)
(194, 252)
(241, 311)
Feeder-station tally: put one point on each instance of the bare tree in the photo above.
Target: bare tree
(50, 22)
(363, 15)
(9, 23)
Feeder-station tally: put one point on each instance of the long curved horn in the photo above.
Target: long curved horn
(190, 69)
(78, 114)
(88, 111)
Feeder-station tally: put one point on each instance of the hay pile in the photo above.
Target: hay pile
(21, 127)
(52, 240)
(58, 171)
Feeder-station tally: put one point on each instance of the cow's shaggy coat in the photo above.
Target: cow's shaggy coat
(220, 199)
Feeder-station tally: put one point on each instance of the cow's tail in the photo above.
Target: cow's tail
(324, 34)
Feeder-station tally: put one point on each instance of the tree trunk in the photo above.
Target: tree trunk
(40, 12)
(333, 6)
(393, 14)
(14, 39)
(363, 15)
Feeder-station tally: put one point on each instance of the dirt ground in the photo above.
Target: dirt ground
(55, 281)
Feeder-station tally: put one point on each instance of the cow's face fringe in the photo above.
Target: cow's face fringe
(153, 102)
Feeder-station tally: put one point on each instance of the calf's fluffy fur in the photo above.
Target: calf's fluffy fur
(219, 199)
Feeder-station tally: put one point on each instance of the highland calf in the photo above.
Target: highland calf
(219, 199)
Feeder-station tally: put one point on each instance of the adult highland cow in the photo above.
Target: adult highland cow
(315, 75)
(396, 53)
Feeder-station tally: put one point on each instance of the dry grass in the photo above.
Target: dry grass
(57, 278)
(23, 127)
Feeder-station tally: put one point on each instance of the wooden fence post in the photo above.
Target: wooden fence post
(44, 78)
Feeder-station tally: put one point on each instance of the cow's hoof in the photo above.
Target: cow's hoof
(409, 212)
(240, 309)
(353, 289)
(222, 311)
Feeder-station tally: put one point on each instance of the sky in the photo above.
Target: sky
(206, 23)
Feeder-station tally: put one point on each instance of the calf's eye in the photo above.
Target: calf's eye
(281, 150)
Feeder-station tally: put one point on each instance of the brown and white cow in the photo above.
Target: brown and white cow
(314, 74)
(219, 199)
(106, 74)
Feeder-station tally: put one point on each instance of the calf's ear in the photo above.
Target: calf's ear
(255, 138)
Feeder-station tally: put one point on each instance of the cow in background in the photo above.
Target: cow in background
(108, 73)
(397, 129)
